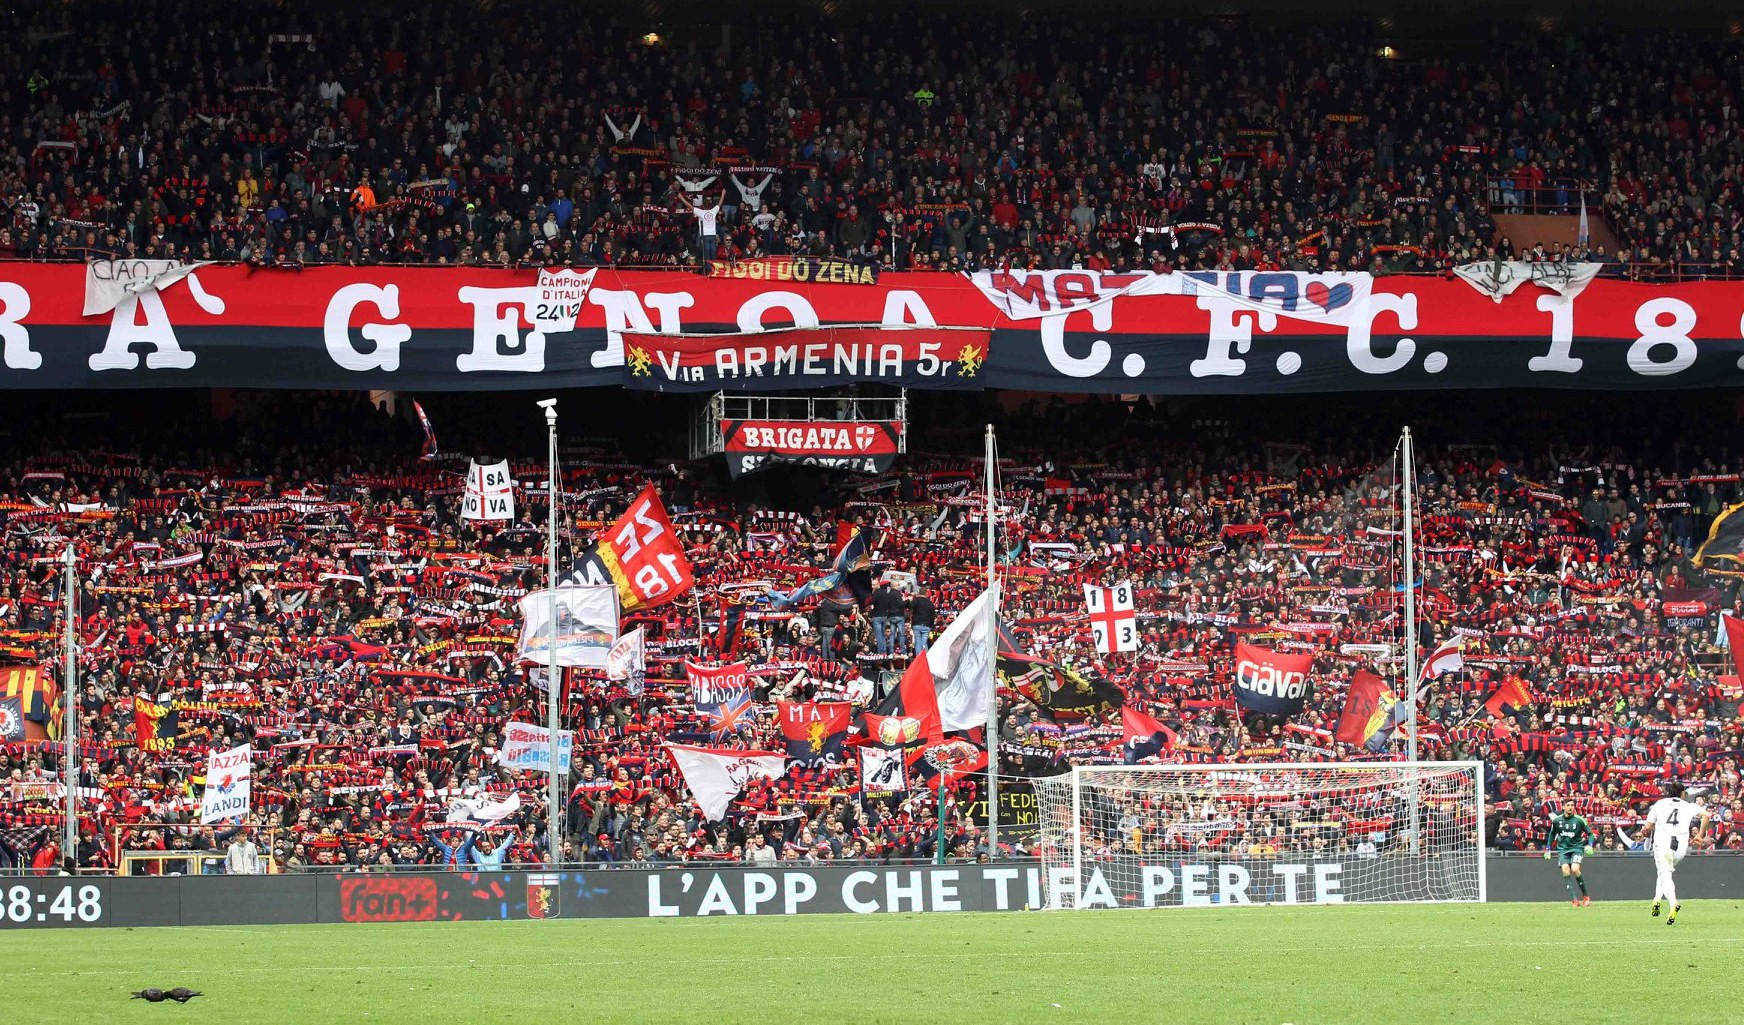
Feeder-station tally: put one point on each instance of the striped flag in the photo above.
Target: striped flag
(34, 689)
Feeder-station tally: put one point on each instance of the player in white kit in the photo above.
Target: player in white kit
(1669, 822)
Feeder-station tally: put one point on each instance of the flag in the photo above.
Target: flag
(963, 682)
(11, 720)
(490, 492)
(1583, 234)
(909, 715)
(527, 747)
(1448, 657)
(715, 776)
(1512, 694)
(815, 731)
(1062, 488)
(228, 779)
(1113, 622)
(849, 578)
(154, 725)
(34, 689)
(429, 451)
(586, 627)
(882, 771)
(482, 809)
(954, 759)
(1725, 543)
(640, 555)
(1271, 682)
(1734, 629)
(1371, 710)
(722, 696)
(731, 633)
(1142, 736)
(627, 660)
(1058, 690)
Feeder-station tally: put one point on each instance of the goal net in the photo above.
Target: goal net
(1327, 833)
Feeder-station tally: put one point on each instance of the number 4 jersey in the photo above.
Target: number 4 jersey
(1672, 818)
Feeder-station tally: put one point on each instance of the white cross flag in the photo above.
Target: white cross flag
(1112, 619)
(490, 492)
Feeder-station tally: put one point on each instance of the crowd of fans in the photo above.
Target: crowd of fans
(288, 574)
(488, 136)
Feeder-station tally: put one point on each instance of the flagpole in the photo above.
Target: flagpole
(553, 681)
(70, 705)
(1408, 470)
(992, 664)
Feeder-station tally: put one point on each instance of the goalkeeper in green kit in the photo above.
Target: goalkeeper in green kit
(1569, 841)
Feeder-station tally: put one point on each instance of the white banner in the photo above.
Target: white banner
(1337, 298)
(628, 658)
(716, 775)
(586, 627)
(490, 492)
(881, 771)
(108, 283)
(229, 778)
(1499, 278)
(483, 809)
(528, 748)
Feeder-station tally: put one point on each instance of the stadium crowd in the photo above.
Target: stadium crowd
(290, 575)
(409, 132)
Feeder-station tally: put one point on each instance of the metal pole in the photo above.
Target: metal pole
(553, 679)
(70, 704)
(992, 663)
(1408, 470)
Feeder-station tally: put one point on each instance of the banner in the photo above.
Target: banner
(796, 269)
(585, 628)
(110, 283)
(710, 685)
(882, 770)
(862, 446)
(814, 731)
(1113, 623)
(639, 555)
(528, 748)
(627, 659)
(1499, 278)
(490, 492)
(715, 776)
(1200, 332)
(807, 357)
(1271, 682)
(229, 775)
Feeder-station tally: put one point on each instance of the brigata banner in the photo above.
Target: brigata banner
(868, 446)
(815, 324)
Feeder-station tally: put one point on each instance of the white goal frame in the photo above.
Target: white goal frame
(1081, 773)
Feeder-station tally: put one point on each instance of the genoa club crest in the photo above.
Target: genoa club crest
(542, 893)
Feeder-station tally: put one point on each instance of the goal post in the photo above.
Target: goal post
(1262, 833)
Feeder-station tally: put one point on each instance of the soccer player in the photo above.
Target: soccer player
(1669, 820)
(1571, 839)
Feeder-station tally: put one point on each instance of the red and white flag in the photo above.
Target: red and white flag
(716, 775)
(1448, 657)
(1112, 619)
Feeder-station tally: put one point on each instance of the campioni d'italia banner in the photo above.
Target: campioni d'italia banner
(1237, 332)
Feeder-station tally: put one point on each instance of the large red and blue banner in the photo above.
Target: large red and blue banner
(1237, 332)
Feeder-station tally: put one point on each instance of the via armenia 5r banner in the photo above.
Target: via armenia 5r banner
(1235, 332)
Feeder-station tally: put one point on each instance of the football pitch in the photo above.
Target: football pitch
(1373, 964)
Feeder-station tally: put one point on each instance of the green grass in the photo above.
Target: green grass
(1503, 963)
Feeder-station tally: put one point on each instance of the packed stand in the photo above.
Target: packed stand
(419, 133)
(321, 601)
